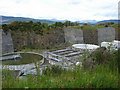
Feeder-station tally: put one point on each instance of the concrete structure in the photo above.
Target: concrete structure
(114, 45)
(117, 43)
(64, 57)
(12, 57)
(21, 67)
(85, 47)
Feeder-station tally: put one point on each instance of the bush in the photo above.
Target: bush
(98, 55)
(53, 70)
(101, 56)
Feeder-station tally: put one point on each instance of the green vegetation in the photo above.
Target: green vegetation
(88, 26)
(37, 27)
(105, 75)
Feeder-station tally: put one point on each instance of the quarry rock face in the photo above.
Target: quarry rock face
(49, 39)
(73, 35)
(89, 36)
(52, 38)
(6, 42)
(106, 34)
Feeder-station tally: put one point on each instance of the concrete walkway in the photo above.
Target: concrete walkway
(10, 57)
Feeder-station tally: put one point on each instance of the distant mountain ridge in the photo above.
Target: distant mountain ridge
(8, 19)
(104, 21)
(93, 22)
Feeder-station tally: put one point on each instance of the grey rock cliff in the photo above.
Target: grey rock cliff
(7, 43)
(106, 34)
(73, 35)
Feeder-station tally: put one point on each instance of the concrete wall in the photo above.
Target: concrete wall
(73, 35)
(7, 43)
(106, 34)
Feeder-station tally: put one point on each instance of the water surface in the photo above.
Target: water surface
(27, 58)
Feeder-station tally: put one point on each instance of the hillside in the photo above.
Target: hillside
(8, 19)
(104, 21)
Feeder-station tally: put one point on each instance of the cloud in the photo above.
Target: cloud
(61, 9)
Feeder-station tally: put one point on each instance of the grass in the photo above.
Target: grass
(101, 78)
(104, 76)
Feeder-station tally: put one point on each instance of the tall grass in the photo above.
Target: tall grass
(102, 77)
(55, 77)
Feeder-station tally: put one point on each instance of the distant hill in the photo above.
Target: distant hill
(94, 22)
(104, 21)
(55, 20)
(88, 21)
(8, 19)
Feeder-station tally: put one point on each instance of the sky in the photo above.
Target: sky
(74, 10)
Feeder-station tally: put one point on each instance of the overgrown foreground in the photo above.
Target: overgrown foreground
(105, 75)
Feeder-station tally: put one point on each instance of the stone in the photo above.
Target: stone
(79, 64)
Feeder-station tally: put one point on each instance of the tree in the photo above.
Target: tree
(52, 26)
(67, 23)
(39, 23)
(106, 25)
(100, 24)
(44, 25)
(5, 27)
(59, 24)
(31, 22)
(111, 22)
(74, 24)
(85, 24)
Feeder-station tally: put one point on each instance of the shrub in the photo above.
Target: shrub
(98, 55)
(53, 70)
(102, 56)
